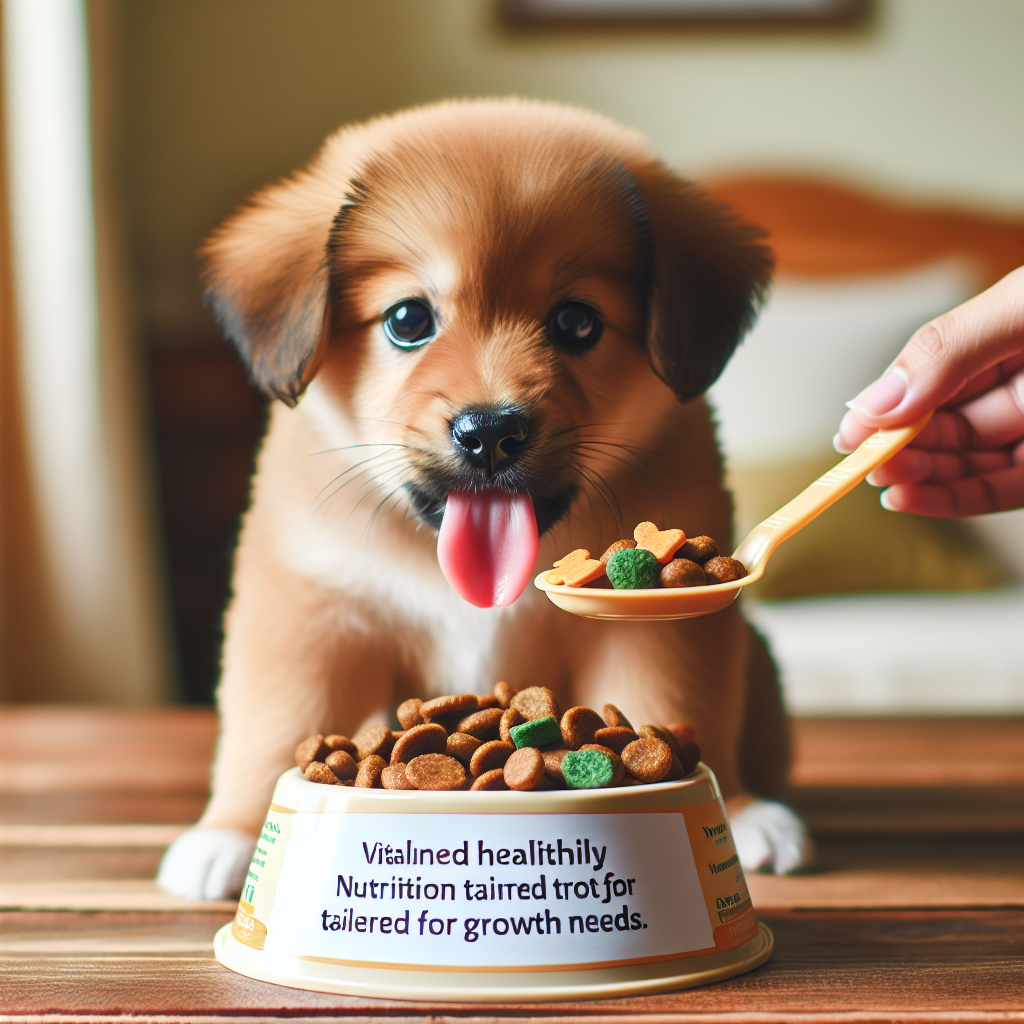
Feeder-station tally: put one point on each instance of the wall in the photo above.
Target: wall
(218, 98)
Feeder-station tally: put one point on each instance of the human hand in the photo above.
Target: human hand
(967, 364)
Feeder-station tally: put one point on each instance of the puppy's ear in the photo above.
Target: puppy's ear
(266, 275)
(710, 274)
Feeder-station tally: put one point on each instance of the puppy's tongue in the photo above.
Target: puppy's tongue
(488, 545)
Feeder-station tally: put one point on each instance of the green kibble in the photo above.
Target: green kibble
(633, 569)
(541, 732)
(587, 769)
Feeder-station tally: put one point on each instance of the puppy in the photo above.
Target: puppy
(501, 301)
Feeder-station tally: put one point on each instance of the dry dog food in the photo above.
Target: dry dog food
(513, 740)
(654, 558)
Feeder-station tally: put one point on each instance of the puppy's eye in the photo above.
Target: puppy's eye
(575, 326)
(409, 324)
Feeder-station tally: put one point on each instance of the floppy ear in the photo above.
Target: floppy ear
(266, 276)
(710, 275)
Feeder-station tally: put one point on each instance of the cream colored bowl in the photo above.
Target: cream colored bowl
(495, 897)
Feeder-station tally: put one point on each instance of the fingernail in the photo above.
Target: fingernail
(883, 500)
(837, 443)
(882, 396)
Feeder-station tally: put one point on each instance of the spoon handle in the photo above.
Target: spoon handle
(756, 548)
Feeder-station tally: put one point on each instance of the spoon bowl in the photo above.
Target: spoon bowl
(754, 550)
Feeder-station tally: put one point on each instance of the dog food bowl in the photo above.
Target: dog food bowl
(495, 896)
(754, 551)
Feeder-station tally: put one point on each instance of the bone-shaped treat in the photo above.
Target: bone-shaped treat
(663, 544)
(575, 569)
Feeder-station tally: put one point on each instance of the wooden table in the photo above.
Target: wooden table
(914, 913)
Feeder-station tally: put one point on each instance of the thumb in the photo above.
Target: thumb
(944, 355)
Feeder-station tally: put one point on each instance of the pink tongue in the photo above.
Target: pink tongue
(488, 545)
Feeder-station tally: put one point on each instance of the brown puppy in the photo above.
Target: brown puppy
(498, 294)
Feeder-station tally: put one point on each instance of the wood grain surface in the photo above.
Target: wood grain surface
(907, 916)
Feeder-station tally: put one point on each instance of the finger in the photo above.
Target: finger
(945, 355)
(996, 418)
(979, 495)
(917, 466)
(988, 379)
(852, 433)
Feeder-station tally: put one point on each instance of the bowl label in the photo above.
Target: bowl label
(508, 892)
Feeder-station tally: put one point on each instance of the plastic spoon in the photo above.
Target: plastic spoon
(754, 550)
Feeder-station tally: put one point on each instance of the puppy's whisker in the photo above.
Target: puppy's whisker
(633, 449)
(583, 456)
(392, 423)
(323, 499)
(377, 486)
(342, 475)
(601, 487)
(368, 444)
(635, 466)
(380, 504)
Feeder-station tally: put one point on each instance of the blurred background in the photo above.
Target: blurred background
(880, 145)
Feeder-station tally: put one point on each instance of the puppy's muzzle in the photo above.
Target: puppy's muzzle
(490, 440)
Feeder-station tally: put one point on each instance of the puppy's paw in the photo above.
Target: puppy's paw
(770, 837)
(206, 864)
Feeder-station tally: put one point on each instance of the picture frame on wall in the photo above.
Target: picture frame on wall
(648, 13)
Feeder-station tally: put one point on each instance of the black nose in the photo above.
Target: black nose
(490, 440)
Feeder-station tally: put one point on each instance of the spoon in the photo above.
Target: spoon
(754, 550)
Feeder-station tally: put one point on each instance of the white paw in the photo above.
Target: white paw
(206, 864)
(769, 836)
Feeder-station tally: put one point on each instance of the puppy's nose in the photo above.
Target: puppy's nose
(490, 440)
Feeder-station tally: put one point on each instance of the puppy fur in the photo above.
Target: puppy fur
(491, 212)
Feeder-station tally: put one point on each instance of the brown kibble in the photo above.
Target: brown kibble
(409, 713)
(615, 737)
(553, 766)
(420, 739)
(647, 759)
(524, 769)
(675, 772)
(510, 717)
(601, 583)
(482, 724)
(614, 717)
(536, 702)
(658, 733)
(370, 768)
(462, 747)
(343, 764)
(393, 777)
(317, 771)
(578, 726)
(310, 749)
(504, 693)
(488, 701)
(681, 572)
(377, 739)
(617, 766)
(492, 780)
(698, 549)
(457, 703)
(489, 756)
(724, 570)
(684, 732)
(614, 549)
(689, 757)
(338, 742)
(435, 771)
